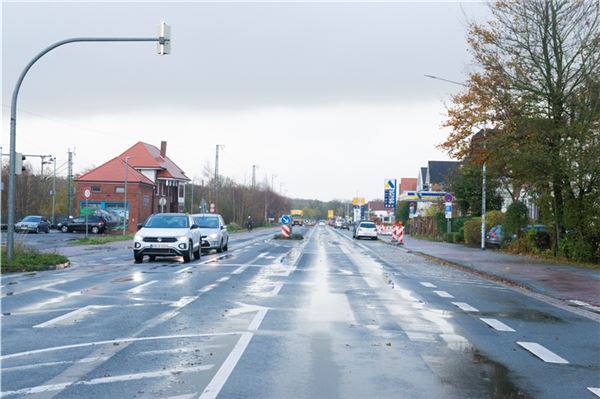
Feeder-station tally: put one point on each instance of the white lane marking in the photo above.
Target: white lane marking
(81, 312)
(223, 279)
(240, 269)
(585, 305)
(218, 381)
(496, 324)
(262, 255)
(276, 290)
(346, 272)
(113, 341)
(38, 287)
(138, 289)
(465, 307)
(183, 301)
(428, 285)
(417, 336)
(541, 352)
(595, 391)
(52, 301)
(185, 269)
(209, 287)
(184, 396)
(107, 380)
(36, 365)
(443, 294)
(179, 350)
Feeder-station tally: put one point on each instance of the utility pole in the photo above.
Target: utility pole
(254, 176)
(53, 191)
(70, 184)
(216, 179)
(192, 201)
(125, 206)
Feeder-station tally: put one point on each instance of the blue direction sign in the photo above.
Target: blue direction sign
(285, 219)
(448, 210)
(389, 193)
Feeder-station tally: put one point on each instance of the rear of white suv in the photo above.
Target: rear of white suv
(365, 229)
(167, 234)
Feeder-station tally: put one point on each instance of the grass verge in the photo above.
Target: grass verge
(27, 260)
(99, 240)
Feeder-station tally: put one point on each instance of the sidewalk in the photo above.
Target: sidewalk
(565, 282)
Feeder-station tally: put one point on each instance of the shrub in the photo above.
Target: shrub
(515, 220)
(458, 237)
(449, 237)
(577, 249)
(493, 218)
(538, 241)
(472, 231)
(440, 221)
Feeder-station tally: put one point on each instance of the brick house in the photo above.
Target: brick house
(150, 176)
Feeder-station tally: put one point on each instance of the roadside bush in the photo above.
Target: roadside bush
(538, 241)
(516, 219)
(472, 231)
(493, 218)
(449, 237)
(440, 222)
(458, 237)
(577, 249)
(27, 260)
(459, 222)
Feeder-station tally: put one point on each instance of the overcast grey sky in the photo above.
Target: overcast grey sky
(330, 97)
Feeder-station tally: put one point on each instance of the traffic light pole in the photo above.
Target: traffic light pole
(10, 236)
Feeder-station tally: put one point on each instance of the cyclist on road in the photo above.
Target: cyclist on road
(249, 224)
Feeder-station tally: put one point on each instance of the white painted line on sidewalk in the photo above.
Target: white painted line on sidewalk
(443, 294)
(138, 289)
(216, 384)
(113, 341)
(465, 307)
(541, 352)
(595, 391)
(496, 324)
(428, 285)
(81, 312)
(107, 380)
(185, 269)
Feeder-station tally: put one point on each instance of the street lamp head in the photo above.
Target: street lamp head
(164, 39)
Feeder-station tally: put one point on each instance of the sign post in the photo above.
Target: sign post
(162, 202)
(286, 228)
(86, 194)
(389, 195)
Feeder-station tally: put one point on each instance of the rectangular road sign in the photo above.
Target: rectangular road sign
(389, 193)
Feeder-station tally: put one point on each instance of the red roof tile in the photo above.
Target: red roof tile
(114, 171)
(147, 156)
(408, 184)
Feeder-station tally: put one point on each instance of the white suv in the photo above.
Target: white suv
(167, 234)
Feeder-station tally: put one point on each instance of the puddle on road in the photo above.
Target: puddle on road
(523, 314)
(497, 375)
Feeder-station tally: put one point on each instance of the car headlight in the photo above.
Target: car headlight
(182, 238)
(213, 236)
(137, 237)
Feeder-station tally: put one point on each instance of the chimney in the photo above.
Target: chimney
(163, 149)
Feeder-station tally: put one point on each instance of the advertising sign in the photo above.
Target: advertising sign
(389, 194)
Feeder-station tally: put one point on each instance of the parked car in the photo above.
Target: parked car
(33, 224)
(167, 234)
(495, 236)
(365, 229)
(95, 224)
(213, 230)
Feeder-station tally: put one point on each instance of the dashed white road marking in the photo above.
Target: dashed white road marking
(223, 279)
(107, 380)
(275, 290)
(240, 269)
(113, 341)
(542, 352)
(595, 391)
(443, 294)
(185, 269)
(496, 324)
(138, 289)
(428, 285)
(78, 313)
(39, 287)
(47, 364)
(184, 301)
(465, 307)
(207, 288)
(262, 255)
(179, 350)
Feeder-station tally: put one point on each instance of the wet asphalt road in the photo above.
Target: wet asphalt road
(328, 317)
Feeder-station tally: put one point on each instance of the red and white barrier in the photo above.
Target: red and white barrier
(401, 235)
(285, 230)
(384, 230)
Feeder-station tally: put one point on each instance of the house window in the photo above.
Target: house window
(120, 190)
(181, 191)
(96, 189)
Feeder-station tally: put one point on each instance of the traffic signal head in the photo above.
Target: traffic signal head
(19, 167)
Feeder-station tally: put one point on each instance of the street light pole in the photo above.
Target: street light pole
(164, 41)
(125, 207)
(483, 170)
(53, 191)
(216, 179)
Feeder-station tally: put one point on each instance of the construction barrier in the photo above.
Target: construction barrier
(384, 230)
(285, 230)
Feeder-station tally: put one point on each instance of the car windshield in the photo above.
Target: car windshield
(32, 219)
(367, 225)
(167, 222)
(207, 222)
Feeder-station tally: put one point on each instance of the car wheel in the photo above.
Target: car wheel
(197, 254)
(220, 249)
(64, 229)
(138, 258)
(188, 255)
(37, 230)
(226, 247)
(48, 230)
(95, 230)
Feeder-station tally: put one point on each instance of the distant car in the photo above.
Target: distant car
(345, 226)
(213, 230)
(33, 224)
(321, 223)
(167, 234)
(95, 225)
(494, 237)
(365, 229)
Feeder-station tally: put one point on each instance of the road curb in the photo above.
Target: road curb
(60, 266)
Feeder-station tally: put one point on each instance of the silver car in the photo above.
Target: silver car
(213, 230)
(33, 224)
